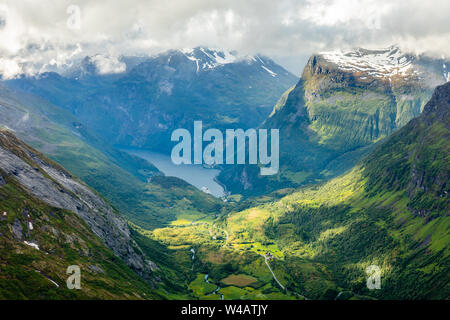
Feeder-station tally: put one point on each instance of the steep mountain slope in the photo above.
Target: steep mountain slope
(121, 178)
(391, 210)
(142, 106)
(45, 125)
(49, 221)
(343, 104)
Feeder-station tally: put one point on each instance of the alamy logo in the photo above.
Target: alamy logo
(74, 280)
(374, 277)
(213, 153)
(74, 19)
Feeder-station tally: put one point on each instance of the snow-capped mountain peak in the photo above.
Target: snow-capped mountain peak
(208, 58)
(380, 63)
(213, 57)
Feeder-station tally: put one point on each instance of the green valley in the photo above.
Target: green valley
(391, 211)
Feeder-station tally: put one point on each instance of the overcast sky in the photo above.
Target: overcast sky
(39, 35)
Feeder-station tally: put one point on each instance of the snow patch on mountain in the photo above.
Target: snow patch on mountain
(32, 244)
(380, 63)
(208, 59)
(273, 74)
(446, 73)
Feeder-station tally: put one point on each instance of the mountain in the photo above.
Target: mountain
(51, 220)
(344, 103)
(391, 211)
(140, 105)
(134, 186)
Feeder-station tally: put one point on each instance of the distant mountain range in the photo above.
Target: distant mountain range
(140, 101)
(344, 102)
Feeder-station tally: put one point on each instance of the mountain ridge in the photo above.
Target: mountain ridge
(142, 106)
(204, 58)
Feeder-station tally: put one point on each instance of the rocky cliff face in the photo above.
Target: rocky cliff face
(53, 185)
(354, 98)
(416, 158)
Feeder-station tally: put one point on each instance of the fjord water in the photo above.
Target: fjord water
(196, 175)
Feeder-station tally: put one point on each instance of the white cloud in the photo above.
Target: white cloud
(108, 65)
(35, 35)
(9, 68)
(367, 13)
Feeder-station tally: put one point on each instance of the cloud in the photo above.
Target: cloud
(43, 35)
(9, 68)
(108, 65)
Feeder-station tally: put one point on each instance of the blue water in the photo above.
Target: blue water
(196, 175)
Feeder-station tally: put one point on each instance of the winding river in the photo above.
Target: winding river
(215, 291)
